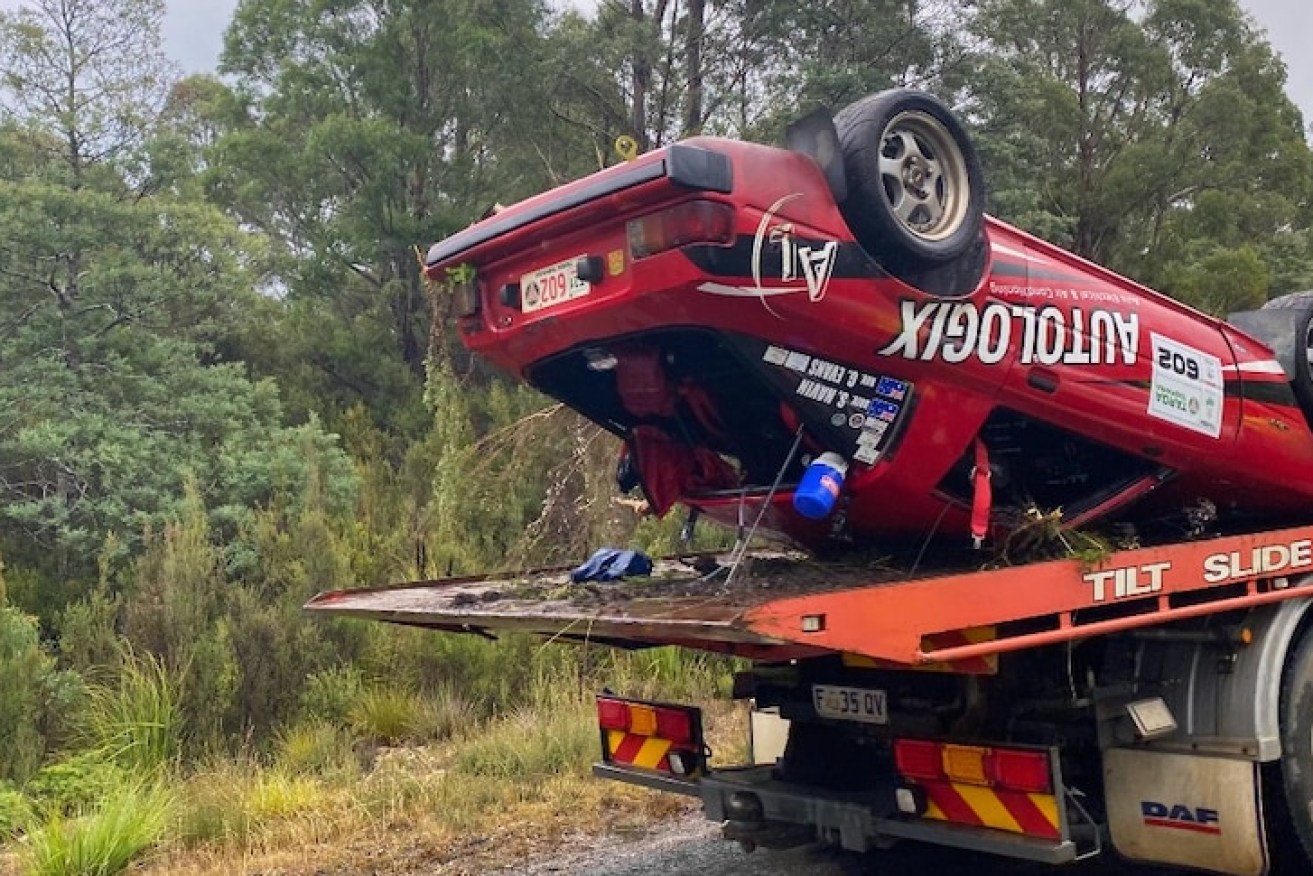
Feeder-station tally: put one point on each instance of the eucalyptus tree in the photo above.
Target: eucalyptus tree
(1154, 137)
(371, 128)
(118, 297)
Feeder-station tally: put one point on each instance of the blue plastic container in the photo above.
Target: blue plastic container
(820, 486)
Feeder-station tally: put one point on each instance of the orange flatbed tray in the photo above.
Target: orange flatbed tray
(782, 607)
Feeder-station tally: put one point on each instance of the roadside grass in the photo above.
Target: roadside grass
(102, 841)
(421, 778)
(136, 721)
(485, 797)
(534, 742)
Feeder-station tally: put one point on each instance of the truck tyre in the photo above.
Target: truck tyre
(915, 190)
(1300, 307)
(1294, 800)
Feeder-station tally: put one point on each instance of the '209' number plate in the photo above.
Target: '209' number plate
(552, 285)
(850, 703)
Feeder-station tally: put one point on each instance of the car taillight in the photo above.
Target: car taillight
(642, 720)
(691, 222)
(465, 297)
(680, 725)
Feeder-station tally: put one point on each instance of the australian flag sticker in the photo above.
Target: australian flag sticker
(882, 410)
(891, 388)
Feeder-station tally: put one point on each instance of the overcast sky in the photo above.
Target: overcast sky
(193, 34)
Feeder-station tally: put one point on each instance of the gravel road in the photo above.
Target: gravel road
(693, 846)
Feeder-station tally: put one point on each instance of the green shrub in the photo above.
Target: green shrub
(87, 641)
(447, 713)
(75, 784)
(176, 611)
(24, 673)
(104, 841)
(276, 796)
(15, 811)
(275, 648)
(240, 800)
(211, 809)
(330, 693)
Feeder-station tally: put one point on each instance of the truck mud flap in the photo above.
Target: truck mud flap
(1188, 810)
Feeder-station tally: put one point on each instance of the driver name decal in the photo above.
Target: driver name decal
(1043, 335)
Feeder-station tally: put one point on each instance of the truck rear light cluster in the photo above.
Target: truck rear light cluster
(675, 724)
(690, 222)
(1015, 769)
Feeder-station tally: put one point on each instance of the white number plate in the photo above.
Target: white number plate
(850, 703)
(553, 285)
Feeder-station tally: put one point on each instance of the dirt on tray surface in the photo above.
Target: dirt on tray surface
(720, 577)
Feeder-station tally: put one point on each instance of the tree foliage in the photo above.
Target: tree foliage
(204, 281)
(118, 303)
(1150, 137)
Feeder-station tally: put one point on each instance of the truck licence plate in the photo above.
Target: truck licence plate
(850, 703)
(552, 285)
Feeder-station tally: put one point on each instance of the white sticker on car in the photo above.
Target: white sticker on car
(1187, 387)
(804, 265)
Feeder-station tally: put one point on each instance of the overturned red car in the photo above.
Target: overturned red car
(834, 339)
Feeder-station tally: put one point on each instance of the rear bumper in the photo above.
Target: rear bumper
(860, 822)
(691, 167)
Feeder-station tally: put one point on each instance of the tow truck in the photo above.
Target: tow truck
(1087, 629)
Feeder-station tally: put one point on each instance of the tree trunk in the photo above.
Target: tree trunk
(642, 82)
(697, 10)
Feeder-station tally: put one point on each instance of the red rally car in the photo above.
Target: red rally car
(833, 339)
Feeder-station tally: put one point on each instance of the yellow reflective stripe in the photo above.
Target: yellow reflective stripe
(613, 740)
(932, 810)
(987, 807)
(1047, 804)
(649, 756)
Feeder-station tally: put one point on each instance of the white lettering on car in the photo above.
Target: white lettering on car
(1047, 335)
(1186, 387)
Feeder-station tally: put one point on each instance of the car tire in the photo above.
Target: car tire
(915, 189)
(1300, 307)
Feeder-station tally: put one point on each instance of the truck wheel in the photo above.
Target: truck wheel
(915, 190)
(1295, 800)
(1300, 307)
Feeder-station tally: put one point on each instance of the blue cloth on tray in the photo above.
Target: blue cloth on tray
(612, 564)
